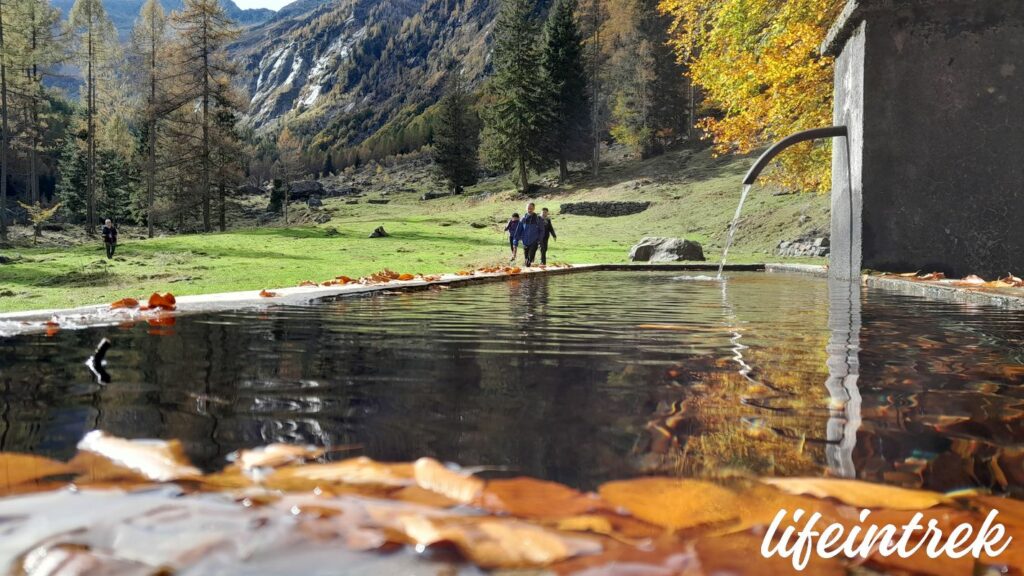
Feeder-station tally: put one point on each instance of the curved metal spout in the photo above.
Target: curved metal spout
(771, 153)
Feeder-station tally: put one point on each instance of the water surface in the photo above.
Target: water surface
(577, 378)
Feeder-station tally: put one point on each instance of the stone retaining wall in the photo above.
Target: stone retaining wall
(604, 209)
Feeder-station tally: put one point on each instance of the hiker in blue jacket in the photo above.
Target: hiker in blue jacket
(530, 232)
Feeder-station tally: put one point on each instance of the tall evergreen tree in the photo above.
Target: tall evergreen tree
(648, 99)
(568, 135)
(457, 136)
(95, 40)
(5, 121)
(33, 49)
(205, 31)
(327, 169)
(149, 43)
(516, 115)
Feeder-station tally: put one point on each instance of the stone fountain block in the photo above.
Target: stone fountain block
(931, 92)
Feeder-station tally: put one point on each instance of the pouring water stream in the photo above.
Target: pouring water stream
(732, 228)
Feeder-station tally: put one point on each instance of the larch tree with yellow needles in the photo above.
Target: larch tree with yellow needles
(762, 76)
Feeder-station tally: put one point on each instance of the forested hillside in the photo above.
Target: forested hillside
(179, 117)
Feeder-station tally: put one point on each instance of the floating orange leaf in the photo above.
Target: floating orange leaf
(432, 475)
(267, 294)
(860, 494)
(18, 469)
(972, 280)
(125, 303)
(152, 459)
(274, 455)
(161, 320)
(357, 471)
(1011, 279)
(165, 301)
(532, 498)
(672, 503)
(498, 543)
(52, 327)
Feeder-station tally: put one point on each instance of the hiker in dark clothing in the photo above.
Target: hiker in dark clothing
(511, 228)
(549, 232)
(529, 233)
(109, 237)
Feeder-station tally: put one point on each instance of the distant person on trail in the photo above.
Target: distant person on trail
(529, 232)
(549, 232)
(511, 228)
(109, 237)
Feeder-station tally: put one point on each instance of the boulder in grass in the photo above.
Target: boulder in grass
(379, 233)
(303, 189)
(653, 250)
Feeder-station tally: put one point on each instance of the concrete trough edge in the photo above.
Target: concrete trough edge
(12, 323)
(932, 290)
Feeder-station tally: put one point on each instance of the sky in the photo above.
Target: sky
(272, 4)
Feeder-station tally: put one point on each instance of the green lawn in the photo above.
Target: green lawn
(694, 196)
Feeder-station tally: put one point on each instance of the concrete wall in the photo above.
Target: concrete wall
(847, 160)
(938, 136)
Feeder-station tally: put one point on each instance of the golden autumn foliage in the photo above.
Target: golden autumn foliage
(758, 64)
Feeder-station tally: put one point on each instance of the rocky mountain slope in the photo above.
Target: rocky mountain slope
(341, 70)
(123, 13)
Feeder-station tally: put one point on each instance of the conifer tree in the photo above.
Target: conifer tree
(516, 115)
(4, 113)
(149, 43)
(328, 166)
(205, 30)
(33, 49)
(95, 39)
(457, 137)
(568, 135)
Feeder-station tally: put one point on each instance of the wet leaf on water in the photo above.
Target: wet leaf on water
(125, 303)
(267, 294)
(860, 494)
(434, 476)
(531, 498)
(1012, 280)
(740, 554)
(18, 469)
(356, 471)
(52, 328)
(157, 460)
(416, 495)
(161, 320)
(673, 503)
(164, 301)
(274, 455)
(971, 280)
(497, 543)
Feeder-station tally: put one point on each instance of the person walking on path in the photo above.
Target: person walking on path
(529, 233)
(109, 237)
(549, 232)
(511, 228)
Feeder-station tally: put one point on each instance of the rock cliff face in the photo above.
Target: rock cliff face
(340, 70)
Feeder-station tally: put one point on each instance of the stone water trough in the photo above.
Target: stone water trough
(930, 175)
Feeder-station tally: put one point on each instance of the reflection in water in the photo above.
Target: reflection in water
(843, 371)
(556, 378)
